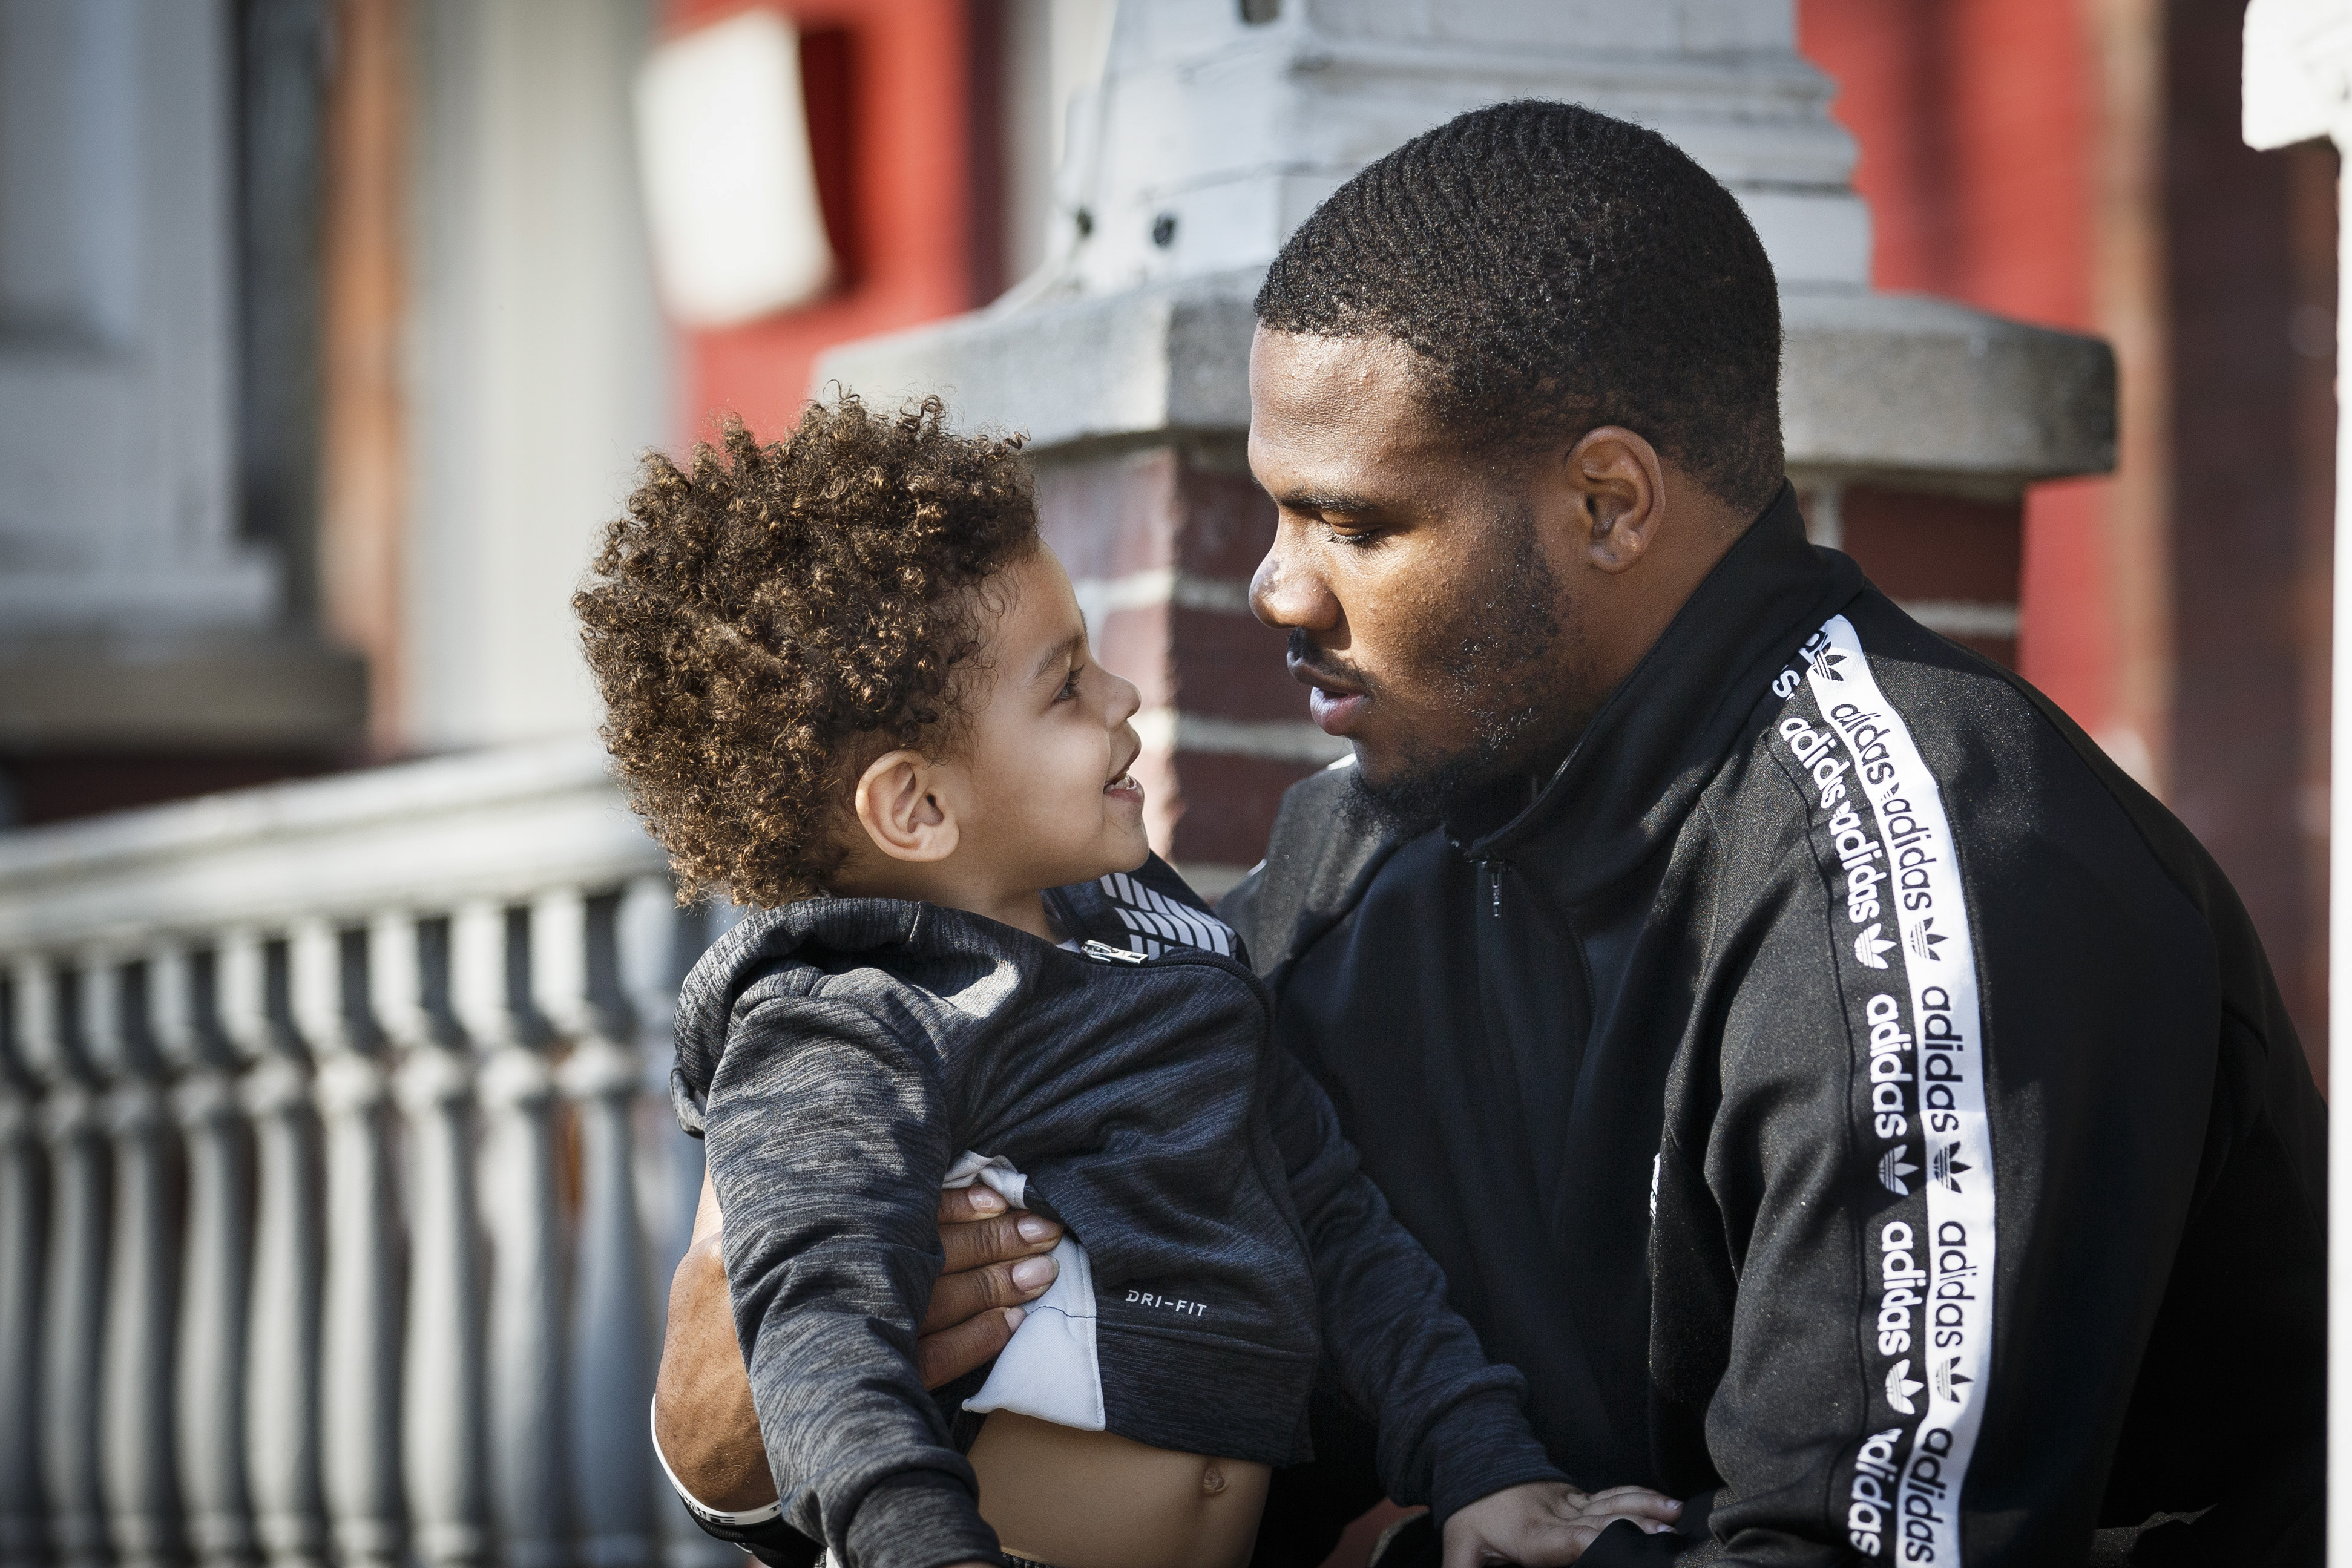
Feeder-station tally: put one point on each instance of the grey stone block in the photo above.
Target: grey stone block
(1895, 386)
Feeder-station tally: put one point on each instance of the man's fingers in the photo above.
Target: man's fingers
(944, 1356)
(1633, 1502)
(1000, 1239)
(962, 1205)
(1648, 1524)
(957, 1297)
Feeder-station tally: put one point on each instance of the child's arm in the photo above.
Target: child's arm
(826, 1147)
(1452, 1429)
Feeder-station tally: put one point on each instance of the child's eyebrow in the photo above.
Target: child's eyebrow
(1058, 655)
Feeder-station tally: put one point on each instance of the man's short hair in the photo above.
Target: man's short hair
(1556, 270)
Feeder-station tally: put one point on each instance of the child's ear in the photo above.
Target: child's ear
(899, 806)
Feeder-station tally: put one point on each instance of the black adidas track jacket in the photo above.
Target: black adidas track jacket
(1847, 1096)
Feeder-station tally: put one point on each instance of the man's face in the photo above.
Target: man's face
(1412, 575)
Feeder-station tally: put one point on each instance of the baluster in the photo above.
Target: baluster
(209, 1381)
(135, 1412)
(74, 1305)
(21, 1199)
(575, 987)
(282, 1390)
(489, 986)
(442, 1431)
(358, 1434)
(657, 943)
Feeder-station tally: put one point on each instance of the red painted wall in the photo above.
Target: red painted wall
(911, 204)
(1977, 127)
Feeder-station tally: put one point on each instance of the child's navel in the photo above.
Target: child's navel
(1212, 1478)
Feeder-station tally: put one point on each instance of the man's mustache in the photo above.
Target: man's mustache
(1305, 660)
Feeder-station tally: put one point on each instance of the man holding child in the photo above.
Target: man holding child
(1854, 1104)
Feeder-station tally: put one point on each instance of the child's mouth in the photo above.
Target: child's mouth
(1124, 784)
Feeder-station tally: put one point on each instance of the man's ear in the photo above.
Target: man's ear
(1624, 490)
(899, 804)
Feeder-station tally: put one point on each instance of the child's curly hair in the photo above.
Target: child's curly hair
(765, 623)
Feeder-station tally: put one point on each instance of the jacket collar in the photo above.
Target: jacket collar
(1634, 775)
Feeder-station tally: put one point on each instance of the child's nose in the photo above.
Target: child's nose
(1125, 702)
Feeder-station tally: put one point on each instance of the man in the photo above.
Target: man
(1852, 1103)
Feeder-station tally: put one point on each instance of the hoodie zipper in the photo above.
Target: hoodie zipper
(1494, 870)
(1177, 957)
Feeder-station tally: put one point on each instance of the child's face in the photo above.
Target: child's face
(1048, 798)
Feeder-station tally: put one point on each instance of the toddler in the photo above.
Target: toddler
(848, 685)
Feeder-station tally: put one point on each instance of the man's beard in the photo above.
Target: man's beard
(1502, 661)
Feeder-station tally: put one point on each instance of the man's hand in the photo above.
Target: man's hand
(994, 1262)
(710, 1432)
(1545, 1524)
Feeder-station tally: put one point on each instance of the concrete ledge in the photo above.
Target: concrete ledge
(506, 824)
(220, 690)
(1170, 358)
(1904, 384)
(1889, 384)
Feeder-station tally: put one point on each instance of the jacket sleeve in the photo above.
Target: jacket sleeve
(1921, 1192)
(825, 1146)
(1451, 1423)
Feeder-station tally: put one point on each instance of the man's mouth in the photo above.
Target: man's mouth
(1333, 703)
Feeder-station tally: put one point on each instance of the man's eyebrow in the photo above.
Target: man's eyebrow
(1057, 655)
(1325, 501)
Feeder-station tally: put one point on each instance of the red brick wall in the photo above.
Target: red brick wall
(1181, 528)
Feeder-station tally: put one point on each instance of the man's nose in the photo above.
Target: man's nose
(1283, 592)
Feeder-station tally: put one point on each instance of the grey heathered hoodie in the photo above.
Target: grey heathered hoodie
(837, 1054)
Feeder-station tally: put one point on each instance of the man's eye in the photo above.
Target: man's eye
(1359, 537)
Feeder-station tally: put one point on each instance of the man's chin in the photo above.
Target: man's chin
(1407, 798)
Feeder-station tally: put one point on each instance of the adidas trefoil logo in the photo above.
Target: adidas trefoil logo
(1948, 1381)
(1826, 662)
(1871, 947)
(1944, 1166)
(1900, 1388)
(1925, 938)
(1896, 1171)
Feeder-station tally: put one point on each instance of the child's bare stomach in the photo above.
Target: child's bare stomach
(1089, 1499)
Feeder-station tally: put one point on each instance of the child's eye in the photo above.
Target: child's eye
(1069, 688)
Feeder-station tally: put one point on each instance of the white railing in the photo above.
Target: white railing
(338, 1183)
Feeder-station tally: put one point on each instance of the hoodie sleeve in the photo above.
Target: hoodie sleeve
(1452, 1428)
(1921, 1191)
(825, 1146)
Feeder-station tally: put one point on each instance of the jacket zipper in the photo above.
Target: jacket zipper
(1176, 956)
(1494, 870)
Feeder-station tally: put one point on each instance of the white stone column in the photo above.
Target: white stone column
(216, 1254)
(73, 1304)
(359, 1359)
(21, 1277)
(135, 1435)
(281, 1368)
(575, 984)
(442, 1437)
(655, 943)
(489, 979)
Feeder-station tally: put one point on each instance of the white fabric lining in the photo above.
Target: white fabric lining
(1051, 1369)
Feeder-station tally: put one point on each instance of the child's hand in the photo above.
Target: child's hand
(1545, 1524)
